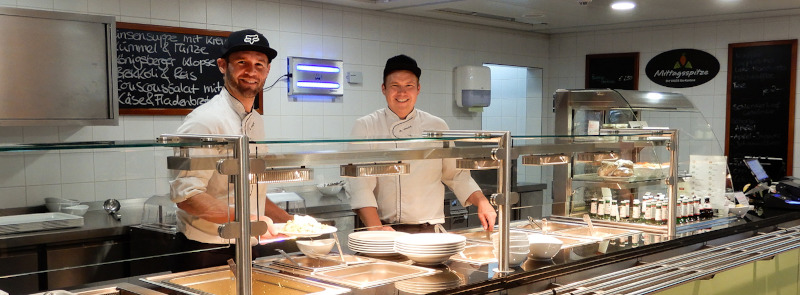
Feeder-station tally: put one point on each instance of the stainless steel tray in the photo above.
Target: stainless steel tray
(38, 221)
(220, 280)
(372, 274)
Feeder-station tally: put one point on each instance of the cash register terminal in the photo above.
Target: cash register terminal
(786, 193)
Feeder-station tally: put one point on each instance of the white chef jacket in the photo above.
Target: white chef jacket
(223, 115)
(419, 196)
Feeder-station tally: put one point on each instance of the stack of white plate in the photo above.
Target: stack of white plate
(374, 243)
(430, 248)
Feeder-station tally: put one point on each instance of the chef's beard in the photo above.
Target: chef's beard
(248, 91)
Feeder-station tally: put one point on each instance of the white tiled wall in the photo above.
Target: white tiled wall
(362, 39)
(568, 52)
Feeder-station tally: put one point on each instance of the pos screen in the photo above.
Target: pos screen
(757, 170)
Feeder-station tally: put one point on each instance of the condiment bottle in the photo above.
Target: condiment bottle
(636, 211)
(614, 211)
(648, 213)
(624, 210)
(593, 208)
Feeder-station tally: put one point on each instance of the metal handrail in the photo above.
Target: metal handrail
(687, 267)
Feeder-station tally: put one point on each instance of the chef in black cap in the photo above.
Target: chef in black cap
(203, 197)
(413, 202)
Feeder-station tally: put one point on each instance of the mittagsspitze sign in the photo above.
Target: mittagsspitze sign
(682, 68)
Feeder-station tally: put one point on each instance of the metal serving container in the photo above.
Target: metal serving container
(220, 280)
(372, 274)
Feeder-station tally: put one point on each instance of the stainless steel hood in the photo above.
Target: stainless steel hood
(618, 98)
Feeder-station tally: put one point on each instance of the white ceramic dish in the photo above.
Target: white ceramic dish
(431, 239)
(428, 259)
(544, 247)
(56, 204)
(316, 248)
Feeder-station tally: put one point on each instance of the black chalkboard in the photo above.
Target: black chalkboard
(760, 116)
(167, 70)
(612, 70)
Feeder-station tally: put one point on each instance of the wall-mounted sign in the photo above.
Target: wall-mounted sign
(612, 70)
(681, 68)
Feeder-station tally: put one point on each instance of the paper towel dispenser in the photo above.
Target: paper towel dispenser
(472, 87)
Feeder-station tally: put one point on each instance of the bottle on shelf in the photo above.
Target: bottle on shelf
(614, 216)
(648, 213)
(664, 213)
(657, 214)
(624, 210)
(593, 208)
(706, 212)
(607, 207)
(695, 208)
(636, 211)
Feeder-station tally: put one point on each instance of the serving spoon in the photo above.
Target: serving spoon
(112, 206)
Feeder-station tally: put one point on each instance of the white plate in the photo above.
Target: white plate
(431, 239)
(442, 252)
(376, 236)
(435, 246)
(359, 242)
(326, 230)
(428, 259)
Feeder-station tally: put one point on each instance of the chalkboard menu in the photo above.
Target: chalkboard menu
(167, 70)
(760, 116)
(612, 70)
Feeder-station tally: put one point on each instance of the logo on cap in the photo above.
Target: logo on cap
(251, 39)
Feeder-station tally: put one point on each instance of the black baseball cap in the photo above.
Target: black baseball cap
(247, 40)
(401, 63)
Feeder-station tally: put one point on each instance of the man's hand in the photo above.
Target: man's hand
(486, 213)
(272, 231)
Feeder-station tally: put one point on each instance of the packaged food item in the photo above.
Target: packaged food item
(618, 168)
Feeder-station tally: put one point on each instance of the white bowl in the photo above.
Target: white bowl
(75, 210)
(56, 204)
(316, 248)
(330, 189)
(544, 246)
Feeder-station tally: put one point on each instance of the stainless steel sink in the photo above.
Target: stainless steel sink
(220, 280)
(372, 274)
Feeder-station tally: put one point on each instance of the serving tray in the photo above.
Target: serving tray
(38, 221)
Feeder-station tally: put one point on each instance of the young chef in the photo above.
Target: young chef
(203, 197)
(413, 202)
